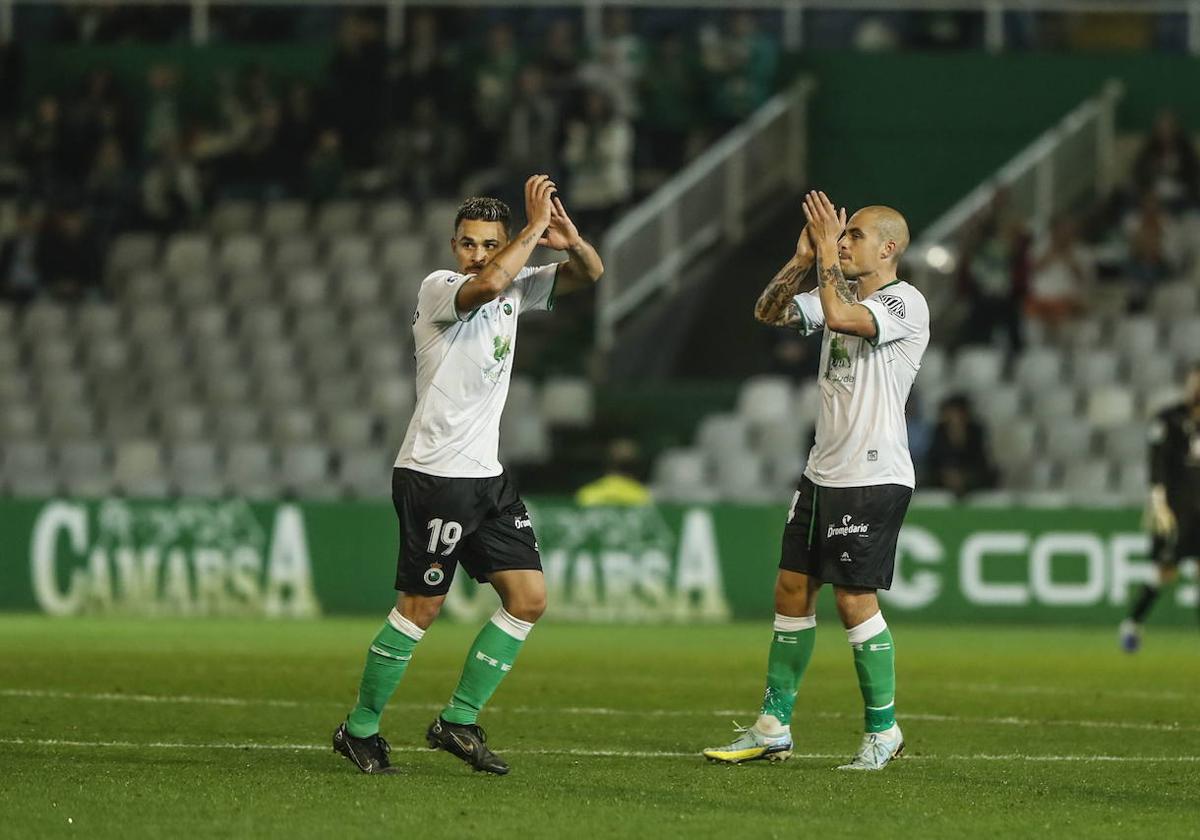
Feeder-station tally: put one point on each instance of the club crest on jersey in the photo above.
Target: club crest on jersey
(501, 344)
(507, 308)
(434, 575)
(894, 304)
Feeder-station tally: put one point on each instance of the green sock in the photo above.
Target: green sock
(490, 658)
(791, 649)
(387, 659)
(875, 662)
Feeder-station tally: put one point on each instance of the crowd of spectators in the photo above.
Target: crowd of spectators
(1146, 233)
(457, 108)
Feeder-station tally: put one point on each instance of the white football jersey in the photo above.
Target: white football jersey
(464, 362)
(862, 434)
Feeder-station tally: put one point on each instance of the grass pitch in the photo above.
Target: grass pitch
(125, 728)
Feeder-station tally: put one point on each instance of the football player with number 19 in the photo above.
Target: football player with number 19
(847, 512)
(455, 503)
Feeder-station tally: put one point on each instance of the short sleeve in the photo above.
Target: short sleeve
(897, 315)
(436, 300)
(812, 315)
(536, 287)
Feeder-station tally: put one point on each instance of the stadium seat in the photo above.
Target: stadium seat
(1015, 442)
(1127, 442)
(522, 398)
(290, 426)
(392, 396)
(682, 475)
(350, 428)
(284, 218)
(227, 388)
(525, 441)
(293, 253)
(350, 252)
(19, 421)
(250, 470)
(1038, 369)
(14, 387)
(130, 252)
(764, 399)
(1185, 339)
(128, 422)
(1094, 368)
(1058, 404)
(53, 354)
(361, 289)
(1088, 480)
(262, 322)
(1133, 480)
(405, 256)
(143, 287)
(98, 319)
(721, 433)
(933, 498)
(304, 471)
(232, 217)
(187, 253)
(8, 317)
(1067, 440)
(741, 477)
(567, 401)
(1087, 333)
(81, 458)
(307, 288)
(998, 404)
(779, 438)
(183, 422)
(282, 390)
(333, 393)
(206, 323)
(68, 387)
(195, 288)
(388, 219)
(238, 424)
(1136, 336)
(45, 317)
(1109, 406)
(241, 253)
(991, 499)
(1177, 299)
(245, 289)
(138, 468)
(976, 368)
(338, 217)
(71, 423)
(324, 359)
(367, 473)
(154, 321)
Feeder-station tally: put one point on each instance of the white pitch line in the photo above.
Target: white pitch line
(991, 688)
(587, 711)
(172, 745)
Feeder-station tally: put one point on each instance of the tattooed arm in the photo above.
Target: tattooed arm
(843, 312)
(777, 305)
(504, 267)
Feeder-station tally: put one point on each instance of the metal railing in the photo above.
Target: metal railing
(648, 249)
(1072, 162)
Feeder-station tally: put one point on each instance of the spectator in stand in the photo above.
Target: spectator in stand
(1167, 164)
(1155, 244)
(326, 168)
(42, 146)
(493, 81)
(619, 486)
(1063, 274)
(534, 132)
(743, 65)
(994, 274)
(357, 81)
(958, 458)
(162, 126)
(171, 191)
(430, 153)
(19, 280)
(617, 62)
(599, 160)
(560, 61)
(110, 189)
(297, 135)
(670, 103)
(68, 253)
(425, 67)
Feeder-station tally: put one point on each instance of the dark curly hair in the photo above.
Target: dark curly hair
(484, 210)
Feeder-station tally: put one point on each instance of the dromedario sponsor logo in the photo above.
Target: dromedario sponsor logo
(170, 558)
(618, 564)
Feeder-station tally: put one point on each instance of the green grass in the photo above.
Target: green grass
(1004, 726)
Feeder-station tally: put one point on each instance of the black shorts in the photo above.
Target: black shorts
(1183, 545)
(480, 523)
(845, 535)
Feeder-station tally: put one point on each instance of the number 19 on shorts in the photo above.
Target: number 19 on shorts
(443, 534)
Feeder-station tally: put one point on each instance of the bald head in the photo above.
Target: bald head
(888, 225)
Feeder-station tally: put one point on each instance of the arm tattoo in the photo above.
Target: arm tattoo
(775, 304)
(832, 276)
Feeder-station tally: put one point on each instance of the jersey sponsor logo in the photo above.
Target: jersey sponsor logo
(501, 344)
(872, 454)
(522, 523)
(839, 356)
(847, 528)
(894, 304)
(434, 575)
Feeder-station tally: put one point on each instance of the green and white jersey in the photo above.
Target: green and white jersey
(862, 436)
(464, 363)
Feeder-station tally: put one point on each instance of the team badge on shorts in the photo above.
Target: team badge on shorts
(434, 575)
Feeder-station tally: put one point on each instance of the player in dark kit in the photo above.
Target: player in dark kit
(1173, 511)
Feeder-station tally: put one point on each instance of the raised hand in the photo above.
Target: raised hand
(825, 222)
(538, 205)
(562, 234)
